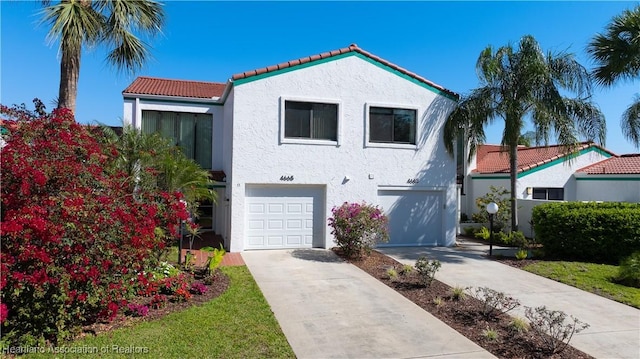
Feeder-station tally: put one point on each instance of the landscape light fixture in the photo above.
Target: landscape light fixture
(492, 209)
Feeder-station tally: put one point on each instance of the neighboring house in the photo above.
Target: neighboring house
(614, 179)
(544, 173)
(291, 141)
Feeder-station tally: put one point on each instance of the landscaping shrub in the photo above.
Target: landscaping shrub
(427, 270)
(75, 234)
(591, 232)
(358, 227)
(500, 196)
(629, 271)
(494, 302)
(553, 327)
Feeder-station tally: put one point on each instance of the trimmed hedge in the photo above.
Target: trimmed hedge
(592, 232)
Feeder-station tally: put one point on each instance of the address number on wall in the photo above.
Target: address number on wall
(286, 178)
(413, 181)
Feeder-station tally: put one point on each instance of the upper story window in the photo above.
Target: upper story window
(192, 132)
(308, 120)
(392, 125)
(551, 194)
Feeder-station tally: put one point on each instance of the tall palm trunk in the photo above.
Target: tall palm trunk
(69, 75)
(513, 159)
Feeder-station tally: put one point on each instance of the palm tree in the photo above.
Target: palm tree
(523, 83)
(153, 162)
(78, 23)
(617, 57)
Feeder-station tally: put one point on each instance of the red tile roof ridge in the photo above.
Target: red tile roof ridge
(181, 80)
(156, 86)
(328, 54)
(528, 157)
(624, 164)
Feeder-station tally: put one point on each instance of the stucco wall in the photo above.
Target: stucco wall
(621, 188)
(133, 115)
(259, 157)
(557, 174)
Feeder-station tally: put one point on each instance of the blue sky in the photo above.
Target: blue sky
(210, 41)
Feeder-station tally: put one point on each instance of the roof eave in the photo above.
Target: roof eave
(171, 98)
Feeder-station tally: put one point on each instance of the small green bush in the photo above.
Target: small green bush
(392, 273)
(458, 293)
(482, 233)
(517, 239)
(589, 232)
(427, 270)
(500, 196)
(629, 271)
(469, 231)
(521, 254)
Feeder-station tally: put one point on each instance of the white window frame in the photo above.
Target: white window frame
(367, 131)
(310, 141)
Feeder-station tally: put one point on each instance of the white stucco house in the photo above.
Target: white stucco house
(289, 142)
(614, 179)
(548, 174)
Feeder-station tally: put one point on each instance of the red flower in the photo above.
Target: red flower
(4, 312)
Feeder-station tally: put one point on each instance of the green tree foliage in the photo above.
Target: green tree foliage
(79, 24)
(523, 82)
(616, 53)
(592, 232)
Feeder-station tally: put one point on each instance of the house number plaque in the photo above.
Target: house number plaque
(413, 181)
(286, 178)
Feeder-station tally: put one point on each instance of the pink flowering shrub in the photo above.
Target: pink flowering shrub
(73, 234)
(137, 310)
(358, 227)
(198, 288)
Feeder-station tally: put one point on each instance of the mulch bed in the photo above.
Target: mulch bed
(465, 316)
(218, 286)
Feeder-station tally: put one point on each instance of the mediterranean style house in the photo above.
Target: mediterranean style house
(547, 173)
(286, 143)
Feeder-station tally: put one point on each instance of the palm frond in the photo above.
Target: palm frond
(617, 50)
(630, 123)
(73, 23)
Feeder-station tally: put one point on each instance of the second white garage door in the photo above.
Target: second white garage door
(283, 217)
(415, 217)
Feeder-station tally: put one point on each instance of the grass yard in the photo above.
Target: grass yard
(594, 278)
(238, 324)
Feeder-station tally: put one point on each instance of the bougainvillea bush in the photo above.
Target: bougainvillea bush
(75, 233)
(358, 227)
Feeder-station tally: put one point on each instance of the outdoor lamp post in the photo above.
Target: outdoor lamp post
(492, 209)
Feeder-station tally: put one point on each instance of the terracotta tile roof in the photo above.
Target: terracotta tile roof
(495, 159)
(344, 50)
(620, 165)
(179, 88)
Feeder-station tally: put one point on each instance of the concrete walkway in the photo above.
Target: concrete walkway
(614, 330)
(331, 309)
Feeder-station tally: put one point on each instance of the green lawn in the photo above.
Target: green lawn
(238, 324)
(594, 278)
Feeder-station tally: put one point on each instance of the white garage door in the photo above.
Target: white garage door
(415, 217)
(283, 217)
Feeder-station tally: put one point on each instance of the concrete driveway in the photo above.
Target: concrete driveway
(331, 309)
(614, 330)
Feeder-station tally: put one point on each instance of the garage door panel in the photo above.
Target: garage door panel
(415, 217)
(283, 217)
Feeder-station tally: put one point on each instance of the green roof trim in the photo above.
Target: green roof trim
(563, 159)
(182, 102)
(589, 178)
(341, 56)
